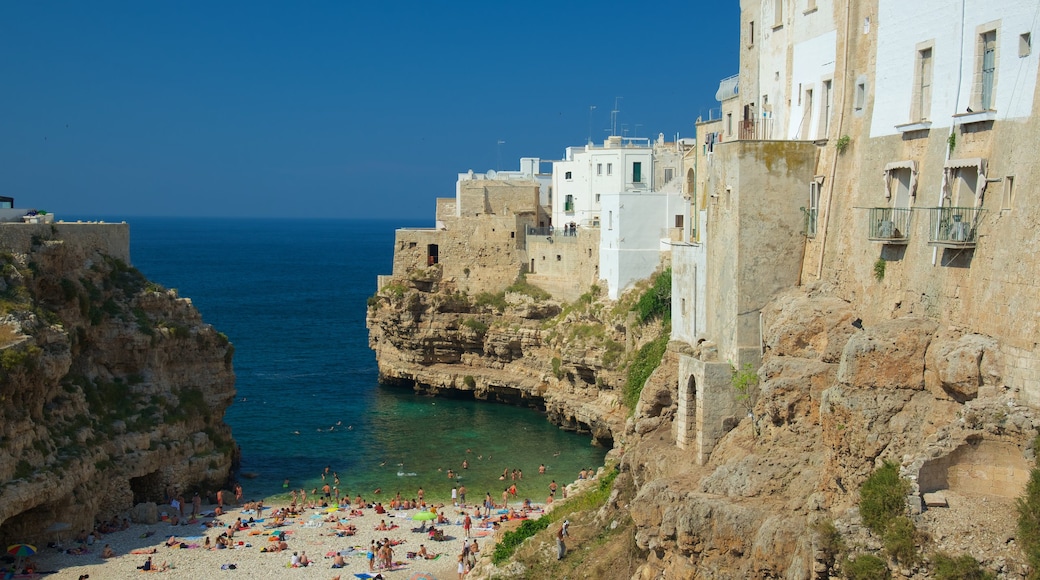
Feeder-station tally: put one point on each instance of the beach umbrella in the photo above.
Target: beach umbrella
(424, 515)
(423, 576)
(21, 550)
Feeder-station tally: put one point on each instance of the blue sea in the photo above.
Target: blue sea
(291, 295)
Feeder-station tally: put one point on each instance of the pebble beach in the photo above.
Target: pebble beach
(309, 532)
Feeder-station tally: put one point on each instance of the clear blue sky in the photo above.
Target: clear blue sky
(330, 109)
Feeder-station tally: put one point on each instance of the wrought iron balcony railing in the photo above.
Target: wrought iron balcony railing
(953, 227)
(890, 225)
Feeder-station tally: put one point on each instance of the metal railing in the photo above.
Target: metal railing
(755, 129)
(890, 224)
(953, 227)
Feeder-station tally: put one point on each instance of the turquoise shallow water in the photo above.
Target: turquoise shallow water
(291, 295)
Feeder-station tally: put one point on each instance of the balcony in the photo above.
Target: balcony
(890, 225)
(756, 129)
(953, 227)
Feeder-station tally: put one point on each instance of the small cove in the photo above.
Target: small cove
(291, 295)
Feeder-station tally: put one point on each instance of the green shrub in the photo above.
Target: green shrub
(900, 541)
(556, 370)
(866, 567)
(1029, 518)
(512, 540)
(612, 351)
(17, 358)
(475, 325)
(496, 301)
(522, 286)
(879, 269)
(646, 361)
(745, 382)
(656, 302)
(883, 498)
(469, 381)
(829, 539)
(963, 567)
(394, 289)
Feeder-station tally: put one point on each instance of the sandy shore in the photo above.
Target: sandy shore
(305, 533)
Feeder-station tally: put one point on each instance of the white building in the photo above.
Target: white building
(622, 188)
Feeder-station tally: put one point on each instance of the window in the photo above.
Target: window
(610, 168)
(778, 13)
(1025, 44)
(986, 70)
(568, 203)
(679, 221)
(922, 99)
(637, 172)
(814, 208)
(610, 220)
(751, 34)
(810, 6)
(567, 176)
(859, 97)
(729, 124)
(599, 169)
(432, 254)
(597, 198)
(669, 173)
(806, 114)
(825, 118)
(964, 182)
(1008, 200)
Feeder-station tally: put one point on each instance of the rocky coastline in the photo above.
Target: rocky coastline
(834, 400)
(112, 391)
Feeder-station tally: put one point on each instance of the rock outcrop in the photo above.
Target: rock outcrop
(835, 399)
(112, 391)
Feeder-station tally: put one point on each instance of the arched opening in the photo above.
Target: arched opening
(691, 186)
(147, 488)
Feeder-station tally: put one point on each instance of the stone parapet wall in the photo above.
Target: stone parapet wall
(108, 239)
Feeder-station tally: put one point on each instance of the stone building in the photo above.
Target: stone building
(479, 242)
(889, 157)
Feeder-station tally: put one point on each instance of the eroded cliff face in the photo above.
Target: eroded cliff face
(112, 391)
(835, 401)
(514, 348)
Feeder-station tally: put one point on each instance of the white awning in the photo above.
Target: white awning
(891, 167)
(728, 88)
(953, 165)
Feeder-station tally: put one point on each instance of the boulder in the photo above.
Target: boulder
(145, 513)
(956, 366)
(888, 355)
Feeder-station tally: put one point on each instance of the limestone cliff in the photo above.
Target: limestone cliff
(834, 400)
(112, 389)
(518, 346)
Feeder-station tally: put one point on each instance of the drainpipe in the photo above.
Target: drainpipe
(841, 120)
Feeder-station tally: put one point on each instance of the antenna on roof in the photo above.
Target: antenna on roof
(613, 116)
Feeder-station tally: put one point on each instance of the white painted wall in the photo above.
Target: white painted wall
(587, 180)
(630, 236)
(901, 27)
(812, 64)
(689, 287)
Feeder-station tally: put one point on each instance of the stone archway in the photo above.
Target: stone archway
(686, 417)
